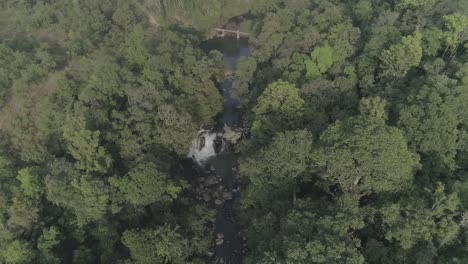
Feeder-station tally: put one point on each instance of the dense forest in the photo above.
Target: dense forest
(356, 112)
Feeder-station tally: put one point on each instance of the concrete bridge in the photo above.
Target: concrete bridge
(221, 32)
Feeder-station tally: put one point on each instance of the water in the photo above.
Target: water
(203, 148)
(222, 165)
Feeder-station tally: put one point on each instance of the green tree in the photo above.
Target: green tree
(146, 184)
(428, 218)
(160, 246)
(17, 252)
(30, 182)
(94, 195)
(87, 197)
(456, 24)
(417, 3)
(399, 58)
(279, 108)
(135, 50)
(244, 78)
(23, 213)
(279, 167)
(47, 242)
(363, 154)
(84, 146)
(432, 116)
(124, 15)
(323, 57)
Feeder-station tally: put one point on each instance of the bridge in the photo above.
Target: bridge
(221, 32)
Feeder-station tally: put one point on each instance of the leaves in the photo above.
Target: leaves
(160, 246)
(279, 108)
(363, 154)
(85, 146)
(399, 58)
(145, 185)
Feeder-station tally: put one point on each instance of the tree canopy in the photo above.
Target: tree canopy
(352, 135)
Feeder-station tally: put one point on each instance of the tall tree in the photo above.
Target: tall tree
(364, 155)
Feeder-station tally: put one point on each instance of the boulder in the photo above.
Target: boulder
(201, 179)
(227, 196)
(232, 135)
(211, 180)
(218, 202)
(206, 197)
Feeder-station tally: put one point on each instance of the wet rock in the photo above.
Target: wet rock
(218, 202)
(206, 197)
(220, 235)
(202, 143)
(232, 135)
(227, 196)
(211, 180)
(219, 241)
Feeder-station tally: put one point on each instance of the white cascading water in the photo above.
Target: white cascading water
(207, 151)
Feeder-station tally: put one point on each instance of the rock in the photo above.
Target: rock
(219, 241)
(227, 196)
(221, 261)
(218, 202)
(206, 197)
(202, 143)
(201, 179)
(211, 180)
(231, 135)
(220, 235)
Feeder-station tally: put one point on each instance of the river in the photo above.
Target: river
(224, 194)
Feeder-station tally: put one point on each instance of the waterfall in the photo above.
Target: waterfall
(203, 147)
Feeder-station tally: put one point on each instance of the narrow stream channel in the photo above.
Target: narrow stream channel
(228, 242)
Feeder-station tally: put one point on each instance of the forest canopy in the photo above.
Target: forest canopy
(354, 112)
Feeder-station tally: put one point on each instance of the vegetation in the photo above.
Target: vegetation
(357, 110)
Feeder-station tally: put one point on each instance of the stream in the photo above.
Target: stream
(216, 162)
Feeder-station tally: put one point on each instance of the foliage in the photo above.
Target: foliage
(145, 185)
(279, 108)
(354, 130)
(399, 58)
(363, 154)
(162, 245)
